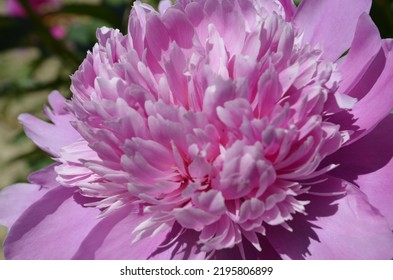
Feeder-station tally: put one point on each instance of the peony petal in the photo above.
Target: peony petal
(377, 104)
(369, 162)
(112, 238)
(51, 228)
(249, 252)
(379, 190)
(164, 5)
(51, 137)
(364, 49)
(330, 23)
(57, 102)
(157, 36)
(329, 237)
(15, 199)
(45, 177)
(194, 218)
(368, 238)
(179, 28)
(289, 8)
(179, 244)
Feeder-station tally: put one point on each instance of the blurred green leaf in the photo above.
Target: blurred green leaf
(83, 35)
(118, 3)
(98, 12)
(36, 159)
(13, 32)
(23, 86)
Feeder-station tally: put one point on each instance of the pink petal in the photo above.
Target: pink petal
(364, 49)
(15, 199)
(57, 102)
(164, 5)
(179, 27)
(45, 177)
(51, 228)
(379, 190)
(180, 245)
(369, 163)
(250, 253)
(377, 104)
(157, 36)
(217, 95)
(194, 218)
(112, 238)
(51, 137)
(369, 238)
(330, 23)
(324, 233)
(289, 8)
(211, 201)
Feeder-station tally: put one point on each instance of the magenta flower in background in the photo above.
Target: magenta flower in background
(14, 8)
(217, 129)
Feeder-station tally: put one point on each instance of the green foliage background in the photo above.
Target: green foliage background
(33, 63)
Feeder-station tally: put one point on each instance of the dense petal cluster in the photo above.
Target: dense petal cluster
(218, 129)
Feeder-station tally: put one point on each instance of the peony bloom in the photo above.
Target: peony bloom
(217, 129)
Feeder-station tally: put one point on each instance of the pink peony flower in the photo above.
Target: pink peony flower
(217, 129)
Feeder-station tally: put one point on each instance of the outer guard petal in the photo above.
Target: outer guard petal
(365, 47)
(369, 164)
(378, 187)
(377, 104)
(112, 238)
(346, 228)
(15, 199)
(250, 253)
(51, 228)
(330, 23)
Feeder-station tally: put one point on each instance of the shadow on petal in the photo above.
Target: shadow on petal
(350, 228)
(95, 240)
(324, 198)
(370, 153)
(180, 244)
(51, 228)
(112, 238)
(268, 252)
(52, 203)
